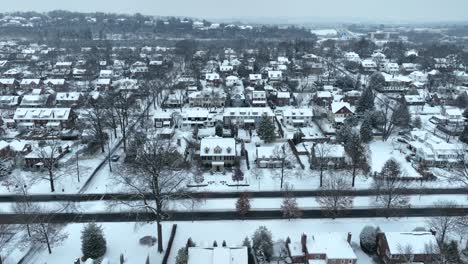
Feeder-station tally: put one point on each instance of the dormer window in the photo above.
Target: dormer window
(207, 149)
(218, 150)
(229, 149)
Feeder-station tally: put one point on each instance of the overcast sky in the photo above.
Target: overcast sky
(390, 10)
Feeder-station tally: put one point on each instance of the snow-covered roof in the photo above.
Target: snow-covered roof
(248, 111)
(217, 146)
(68, 96)
(326, 150)
(337, 106)
(418, 241)
(217, 255)
(334, 245)
(55, 114)
(301, 112)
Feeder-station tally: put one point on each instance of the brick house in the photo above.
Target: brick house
(405, 247)
(329, 248)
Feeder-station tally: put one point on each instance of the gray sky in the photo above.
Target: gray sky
(390, 10)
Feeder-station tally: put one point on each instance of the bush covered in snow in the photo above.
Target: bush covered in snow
(368, 239)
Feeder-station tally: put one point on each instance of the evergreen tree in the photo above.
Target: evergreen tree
(366, 130)
(219, 130)
(417, 122)
(266, 129)
(147, 260)
(450, 253)
(464, 135)
(182, 256)
(366, 101)
(368, 239)
(246, 243)
(343, 134)
(465, 113)
(93, 243)
(190, 243)
(376, 81)
(243, 204)
(262, 243)
(402, 117)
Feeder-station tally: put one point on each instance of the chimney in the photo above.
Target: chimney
(349, 238)
(433, 232)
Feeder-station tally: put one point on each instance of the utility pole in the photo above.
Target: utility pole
(77, 167)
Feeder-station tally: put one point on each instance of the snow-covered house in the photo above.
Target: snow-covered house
(231, 80)
(332, 156)
(246, 116)
(369, 65)
(68, 99)
(395, 83)
(218, 153)
(49, 154)
(323, 98)
(106, 74)
(330, 248)
(283, 98)
(163, 119)
(297, 117)
(55, 117)
(30, 83)
(266, 157)
(275, 75)
(352, 56)
(8, 85)
(340, 111)
(433, 151)
(418, 76)
(392, 68)
(195, 117)
(174, 100)
(407, 247)
(409, 67)
(9, 101)
(259, 98)
(255, 79)
(209, 97)
(215, 255)
(34, 100)
(212, 78)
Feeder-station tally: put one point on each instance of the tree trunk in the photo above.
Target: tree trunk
(51, 180)
(160, 241)
(354, 176)
(321, 175)
(46, 236)
(29, 230)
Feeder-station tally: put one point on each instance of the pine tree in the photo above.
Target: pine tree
(402, 117)
(343, 134)
(182, 256)
(243, 204)
(417, 122)
(266, 129)
(246, 243)
(190, 243)
(366, 101)
(262, 243)
(366, 130)
(464, 135)
(219, 130)
(93, 243)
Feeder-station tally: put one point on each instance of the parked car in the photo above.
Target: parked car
(115, 158)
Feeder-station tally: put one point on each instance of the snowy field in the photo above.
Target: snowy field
(123, 237)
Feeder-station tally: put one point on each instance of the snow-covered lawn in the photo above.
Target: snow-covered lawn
(381, 151)
(123, 237)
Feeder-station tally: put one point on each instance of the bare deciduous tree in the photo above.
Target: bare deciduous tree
(286, 158)
(7, 232)
(156, 177)
(49, 153)
(445, 224)
(333, 200)
(96, 121)
(319, 158)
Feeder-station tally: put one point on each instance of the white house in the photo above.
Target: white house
(392, 68)
(275, 75)
(246, 116)
(297, 117)
(217, 152)
(352, 56)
